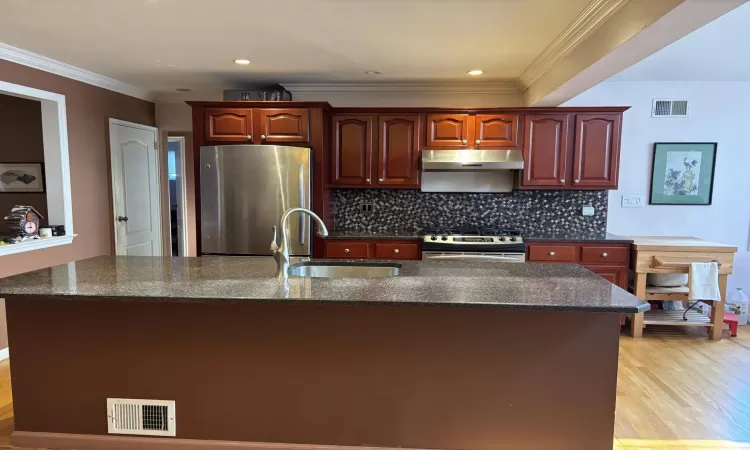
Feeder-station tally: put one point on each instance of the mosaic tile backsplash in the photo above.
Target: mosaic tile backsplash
(531, 212)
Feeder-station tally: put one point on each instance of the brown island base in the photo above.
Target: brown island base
(446, 355)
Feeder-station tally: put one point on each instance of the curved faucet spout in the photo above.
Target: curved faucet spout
(281, 250)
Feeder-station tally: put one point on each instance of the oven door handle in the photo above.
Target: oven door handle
(476, 257)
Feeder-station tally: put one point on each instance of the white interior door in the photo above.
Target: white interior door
(135, 188)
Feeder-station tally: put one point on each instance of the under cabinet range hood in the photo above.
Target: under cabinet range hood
(470, 170)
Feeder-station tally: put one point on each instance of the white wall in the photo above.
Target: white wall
(719, 112)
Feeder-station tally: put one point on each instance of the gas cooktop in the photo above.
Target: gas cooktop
(472, 235)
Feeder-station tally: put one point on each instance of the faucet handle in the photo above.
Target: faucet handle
(274, 244)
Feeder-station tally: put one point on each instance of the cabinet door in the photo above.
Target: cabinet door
(596, 156)
(496, 131)
(617, 275)
(398, 151)
(352, 151)
(228, 125)
(545, 150)
(447, 131)
(284, 125)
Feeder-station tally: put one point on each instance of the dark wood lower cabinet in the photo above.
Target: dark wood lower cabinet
(373, 249)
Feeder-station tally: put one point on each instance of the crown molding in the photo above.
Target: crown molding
(585, 23)
(489, 87)
(36, 61)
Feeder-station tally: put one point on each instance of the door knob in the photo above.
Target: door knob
(262, 136)
(478, 142)
(122, 218)
(395, 250)
(464, 141)
(552, 253)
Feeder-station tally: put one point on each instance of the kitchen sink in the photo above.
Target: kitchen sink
(334, 269)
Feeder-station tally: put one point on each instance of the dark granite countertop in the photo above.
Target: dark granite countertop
(377, 235)
(578, 237)
(566, 287)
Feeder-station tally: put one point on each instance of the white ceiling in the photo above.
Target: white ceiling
(718, 51)
(162, 45)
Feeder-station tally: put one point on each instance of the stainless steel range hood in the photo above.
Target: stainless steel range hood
(469, 170)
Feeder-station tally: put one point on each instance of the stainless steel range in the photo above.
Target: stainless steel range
(473, 244)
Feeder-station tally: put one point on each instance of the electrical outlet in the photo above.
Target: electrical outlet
(633, 201)
(367, 207)
(587, 210)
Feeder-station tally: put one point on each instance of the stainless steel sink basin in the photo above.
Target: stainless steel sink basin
(344, 270)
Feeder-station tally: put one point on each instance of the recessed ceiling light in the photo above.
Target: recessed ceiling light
(373, 72)
(183, 89)
(474, 72)
(244, 62)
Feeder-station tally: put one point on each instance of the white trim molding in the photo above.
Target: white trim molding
(36, 244)
(36, 61)
(4, 353)
(585, 23)
(496, 87)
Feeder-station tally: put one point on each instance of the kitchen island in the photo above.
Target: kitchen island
(446, 355)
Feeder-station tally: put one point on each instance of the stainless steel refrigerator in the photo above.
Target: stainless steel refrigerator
(244, 191)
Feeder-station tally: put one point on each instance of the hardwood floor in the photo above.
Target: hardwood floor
(675, 391)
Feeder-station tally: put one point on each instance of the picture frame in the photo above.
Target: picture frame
(682, 173)
(18, 178)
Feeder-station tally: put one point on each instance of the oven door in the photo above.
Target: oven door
(474, 256)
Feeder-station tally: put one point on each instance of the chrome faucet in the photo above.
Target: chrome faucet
(281, 250)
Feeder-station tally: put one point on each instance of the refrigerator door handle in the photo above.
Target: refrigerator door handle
(302, 217)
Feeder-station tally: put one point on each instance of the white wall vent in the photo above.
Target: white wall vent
(141, 417)
(669, 108)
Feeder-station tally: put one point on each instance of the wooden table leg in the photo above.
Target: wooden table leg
(636, 321)
(717, 311)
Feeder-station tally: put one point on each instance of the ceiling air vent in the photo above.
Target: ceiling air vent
(669, 108)
(141, 417)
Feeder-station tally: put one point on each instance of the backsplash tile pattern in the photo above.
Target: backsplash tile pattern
(531, 212)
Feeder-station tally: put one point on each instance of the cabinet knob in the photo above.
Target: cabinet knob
(395, 250)
(478, 142)
(464, 141)
(562, 180)
(262, 136)
(552, 253)
(249, 137)
(380, 179)
(576, 181)
(346, 250)
(367, 180)
(604, 255)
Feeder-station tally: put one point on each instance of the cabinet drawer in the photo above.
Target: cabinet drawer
(601, 254)
(406, 250)
(552, 253)
(347, 250)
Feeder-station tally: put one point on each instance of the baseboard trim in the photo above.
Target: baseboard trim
(4, 354)
(64, 441)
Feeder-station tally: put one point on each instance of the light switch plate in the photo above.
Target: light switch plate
(633, 201)
(587, 210)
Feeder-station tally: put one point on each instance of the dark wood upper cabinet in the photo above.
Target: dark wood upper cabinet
(496, 131)
(596, 156)
(545, 150)
(398, 151)
(283, 126)
(228, 125)
(351, 153)
(447, 131)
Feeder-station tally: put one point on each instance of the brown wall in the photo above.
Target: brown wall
(20, 142)
(88, 110)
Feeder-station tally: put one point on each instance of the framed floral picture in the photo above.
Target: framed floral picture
(683, 173)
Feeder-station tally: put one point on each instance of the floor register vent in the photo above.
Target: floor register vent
(140, 417)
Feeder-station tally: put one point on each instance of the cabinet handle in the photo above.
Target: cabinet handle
(604, 255)
(478, 142)
(576, 181)
(562, 180)
(346, 250)
(552, 253)
(262, 137)
(367, 180)
(464, 141)
(395, 250)
(249, 137)
(380, 179)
